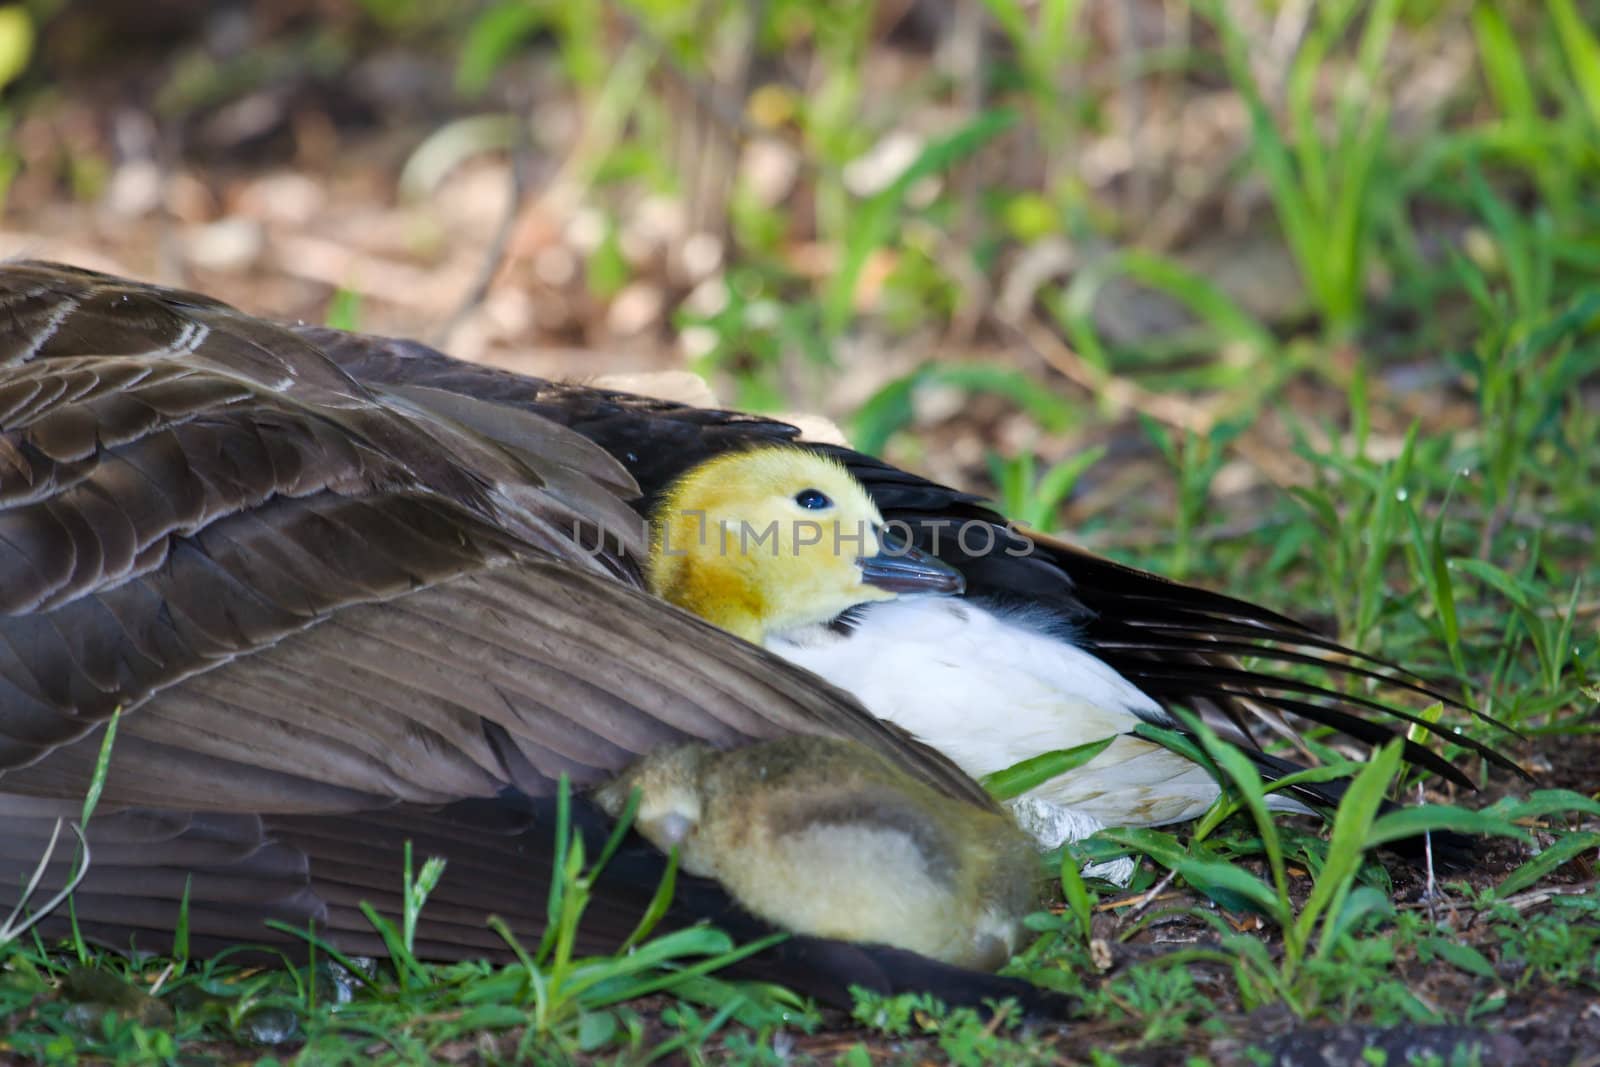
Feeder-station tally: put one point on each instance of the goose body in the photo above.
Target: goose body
(347, 592)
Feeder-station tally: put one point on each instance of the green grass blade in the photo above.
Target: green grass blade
(659, 903)
(874, 221)
(1348, 843)
(1050, 411)
(1566, 849)
(1511, 587)
(1057, 485)
(1297, 215)
(1029, 774)
(180, 934)
(1207, 300)
(407, 967)
(1232, 887)
(886, 413)
(1433, 563)
(1423, 818)
(102, 766)
(1246, 780)
(1543, 802)
(1079, 901)
(1582, 50)
(1502, 64)
(490, 41)
(323, 946)
(1363, 901)
(618, 832)
(555, 906)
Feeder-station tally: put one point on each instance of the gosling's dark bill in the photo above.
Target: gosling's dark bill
(825, 837)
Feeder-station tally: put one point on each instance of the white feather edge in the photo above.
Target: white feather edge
(990, 687)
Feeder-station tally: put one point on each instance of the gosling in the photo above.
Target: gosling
(825, 837)
(774, 544)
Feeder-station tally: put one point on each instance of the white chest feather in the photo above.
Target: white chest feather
(991, 688)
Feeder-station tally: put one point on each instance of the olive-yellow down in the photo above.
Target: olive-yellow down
(825, 837)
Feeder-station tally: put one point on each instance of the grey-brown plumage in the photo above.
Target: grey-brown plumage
(335, 615)
(826, 837)
(350, 592)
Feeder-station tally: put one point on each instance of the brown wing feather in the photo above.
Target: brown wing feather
(216, 515)
(238, 871)
(333, 613)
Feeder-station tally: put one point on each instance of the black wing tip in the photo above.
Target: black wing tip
(1446, 851)
(830, 971)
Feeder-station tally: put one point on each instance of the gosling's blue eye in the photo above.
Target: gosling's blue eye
(812, 499)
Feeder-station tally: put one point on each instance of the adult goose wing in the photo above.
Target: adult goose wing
(331, 615)
(1179, 643)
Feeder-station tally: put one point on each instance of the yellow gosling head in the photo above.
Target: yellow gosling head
(776, 539)
(670, 809)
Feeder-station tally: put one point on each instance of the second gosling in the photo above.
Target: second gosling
(825, 837)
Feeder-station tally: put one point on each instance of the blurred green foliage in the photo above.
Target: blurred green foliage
(1418, 182)
(1348, 194)
(16, 49)
(16, 42)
